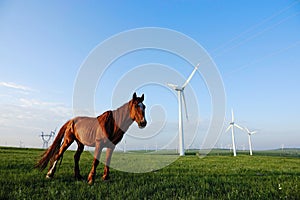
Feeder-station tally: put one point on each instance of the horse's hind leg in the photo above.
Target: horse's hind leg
(68, 140)
(76, 160)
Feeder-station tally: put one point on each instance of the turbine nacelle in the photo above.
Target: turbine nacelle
(250, 132)
(175, 87)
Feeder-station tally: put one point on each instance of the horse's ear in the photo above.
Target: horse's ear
(134, 97)
(142, 98)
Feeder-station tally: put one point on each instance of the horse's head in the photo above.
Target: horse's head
(137, 110)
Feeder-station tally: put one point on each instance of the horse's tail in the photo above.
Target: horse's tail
(52, 151)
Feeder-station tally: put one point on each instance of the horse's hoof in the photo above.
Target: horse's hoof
(48, 176)
(91, 179)
(79, 178)
(91, 182)
(105, 178)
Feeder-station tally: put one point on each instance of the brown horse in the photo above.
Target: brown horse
(104, 131)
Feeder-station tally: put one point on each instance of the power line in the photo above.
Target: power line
(270, 55)
(259, 33)
(254, 27)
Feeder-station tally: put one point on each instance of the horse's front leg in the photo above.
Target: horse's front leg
(109, 152)
(97, 153)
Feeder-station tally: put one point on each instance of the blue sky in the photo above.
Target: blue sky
(254, 44)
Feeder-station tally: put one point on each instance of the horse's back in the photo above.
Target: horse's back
(87, 129)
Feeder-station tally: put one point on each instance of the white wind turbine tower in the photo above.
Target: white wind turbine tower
(249, 138)
(231, 126)
(181, 97)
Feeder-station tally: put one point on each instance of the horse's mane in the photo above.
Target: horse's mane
(122, 117)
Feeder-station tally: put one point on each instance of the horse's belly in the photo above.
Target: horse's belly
(86, 130)
(88, 143)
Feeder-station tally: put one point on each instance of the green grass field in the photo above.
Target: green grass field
(272, 175)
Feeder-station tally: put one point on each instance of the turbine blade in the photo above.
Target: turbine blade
(173, 86)
(228, 128)
(184, 102)
(190, 77)
(232, 115)
(238, 127)
(253, 132)
(247, 130)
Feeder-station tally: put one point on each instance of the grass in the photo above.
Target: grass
(217, 176)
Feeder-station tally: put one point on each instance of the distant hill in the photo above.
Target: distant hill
(285, 152)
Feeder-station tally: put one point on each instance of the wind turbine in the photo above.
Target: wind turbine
(181, 98)
(231, 126)
(249, 138)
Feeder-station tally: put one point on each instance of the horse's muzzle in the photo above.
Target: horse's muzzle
(143, 124)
